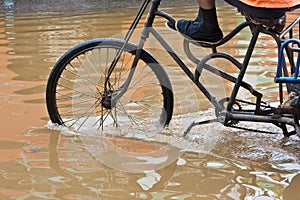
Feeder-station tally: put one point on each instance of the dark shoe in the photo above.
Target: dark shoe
(195, 31)
(171, 25)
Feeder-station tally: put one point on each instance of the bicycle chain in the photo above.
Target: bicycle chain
(250, 129)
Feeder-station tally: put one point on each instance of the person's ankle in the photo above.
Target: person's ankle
(199, 17)
(209, 28)
(209, 20)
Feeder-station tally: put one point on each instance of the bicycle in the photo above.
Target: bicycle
(108, 83)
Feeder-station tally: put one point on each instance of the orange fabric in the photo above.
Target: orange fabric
(272, 3)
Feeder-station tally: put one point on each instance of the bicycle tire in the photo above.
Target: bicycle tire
(74, 91)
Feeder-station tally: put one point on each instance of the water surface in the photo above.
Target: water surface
(41, 161)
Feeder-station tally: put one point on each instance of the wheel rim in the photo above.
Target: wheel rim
(79, 94)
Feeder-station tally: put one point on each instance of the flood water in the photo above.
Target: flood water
(39, 160)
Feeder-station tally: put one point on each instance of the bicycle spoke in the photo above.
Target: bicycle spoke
(73, 90)
(79, 77)
(86, 72)
(86, 115)
(133, 119)
(102, 119)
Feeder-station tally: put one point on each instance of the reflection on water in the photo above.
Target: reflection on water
(59, 166)
(219, 163)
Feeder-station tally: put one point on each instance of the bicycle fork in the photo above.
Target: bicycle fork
(109, 99)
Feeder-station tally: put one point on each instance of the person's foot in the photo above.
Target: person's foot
(290, 101)
(196, 31)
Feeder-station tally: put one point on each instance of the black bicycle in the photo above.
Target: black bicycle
(111, 84)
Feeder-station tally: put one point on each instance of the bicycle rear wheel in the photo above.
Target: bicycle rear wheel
(75, 89)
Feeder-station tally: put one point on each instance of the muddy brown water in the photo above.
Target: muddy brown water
(39, 160)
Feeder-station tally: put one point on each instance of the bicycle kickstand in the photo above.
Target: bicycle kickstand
(199, 123)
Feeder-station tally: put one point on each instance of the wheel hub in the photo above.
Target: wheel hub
(106, 100)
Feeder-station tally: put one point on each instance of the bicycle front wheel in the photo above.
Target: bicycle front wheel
(75, 89)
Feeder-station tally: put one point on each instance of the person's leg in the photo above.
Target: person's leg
(206, 4)
(205, 28)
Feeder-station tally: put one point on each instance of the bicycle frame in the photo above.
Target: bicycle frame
(228, 115)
